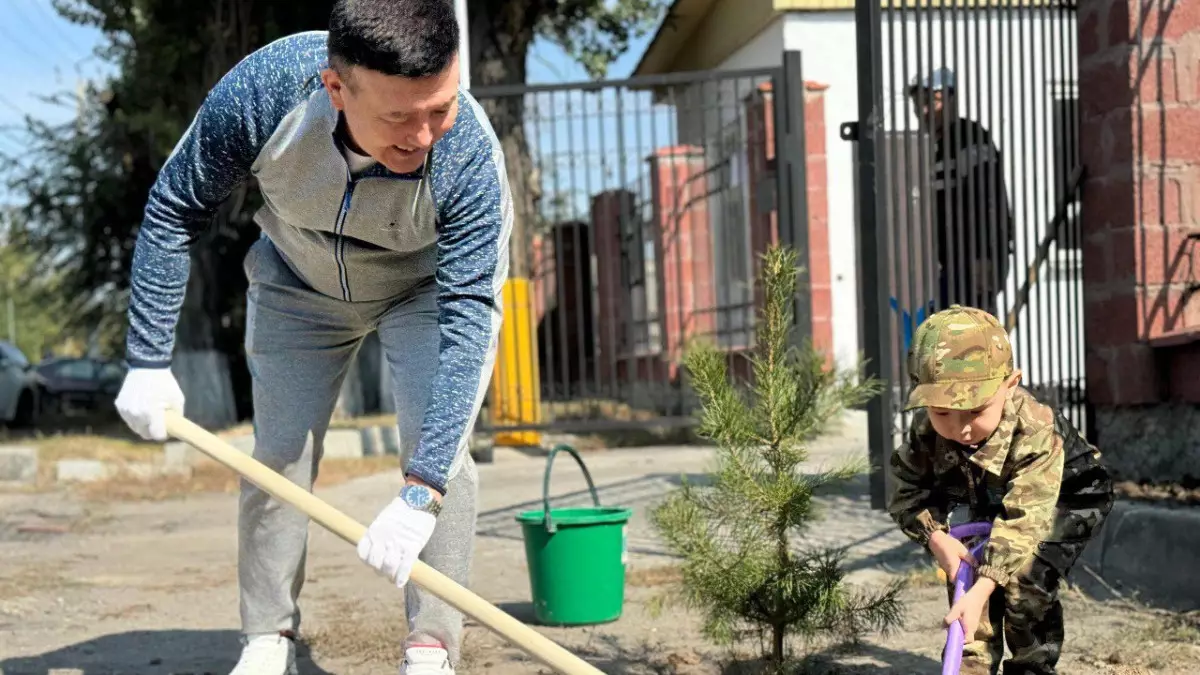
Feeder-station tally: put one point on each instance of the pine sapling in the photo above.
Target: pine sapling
(737, 532)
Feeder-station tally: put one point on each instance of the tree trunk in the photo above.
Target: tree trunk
(203, 370)
(777, 635)
(779, 630)
(501, 32)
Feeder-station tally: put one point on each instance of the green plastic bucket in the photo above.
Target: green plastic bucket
(576, 557)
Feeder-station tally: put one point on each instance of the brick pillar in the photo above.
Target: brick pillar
(609, 209)
(760, 160)
(817, 179)
(544, 279)
(764, 225)
(683, 249)
(1139, 90)
(570, 326)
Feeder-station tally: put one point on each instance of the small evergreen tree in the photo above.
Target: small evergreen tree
(741, 566)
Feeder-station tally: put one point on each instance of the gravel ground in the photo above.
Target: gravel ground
(93, 585)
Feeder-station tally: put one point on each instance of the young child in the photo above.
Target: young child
(980, 440)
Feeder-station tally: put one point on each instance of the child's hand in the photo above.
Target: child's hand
(969, 608)
(948, 551)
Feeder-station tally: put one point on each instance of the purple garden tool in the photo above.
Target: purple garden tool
(955, 637)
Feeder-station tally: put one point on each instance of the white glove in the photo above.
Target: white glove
(146, 394)
(395, 539)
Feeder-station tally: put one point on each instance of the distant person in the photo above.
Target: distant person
(386, 208)
(979, 439)
(972, 220)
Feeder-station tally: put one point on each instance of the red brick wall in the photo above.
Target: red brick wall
(764, 224)
(1140, 143)
(817, 177)
(683, 249)
(684, 246)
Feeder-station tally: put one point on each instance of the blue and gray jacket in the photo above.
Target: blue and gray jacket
(369, 237)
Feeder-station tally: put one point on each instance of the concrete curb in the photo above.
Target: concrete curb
(18, 465)
(377, 441)
(1149, 551)
(339, 444)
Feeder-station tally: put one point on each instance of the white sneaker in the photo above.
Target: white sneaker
(425, 659)
(267, 655)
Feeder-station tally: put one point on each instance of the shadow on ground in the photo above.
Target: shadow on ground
(608, 653)
(165, 652)
(102, 422)
(521, 611)
(883, 661)
(864, 659)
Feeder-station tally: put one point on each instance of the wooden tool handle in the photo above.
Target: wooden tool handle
(534, 643)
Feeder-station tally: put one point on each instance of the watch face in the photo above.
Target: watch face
(417, 496)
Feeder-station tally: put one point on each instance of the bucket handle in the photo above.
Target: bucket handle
(550, 526)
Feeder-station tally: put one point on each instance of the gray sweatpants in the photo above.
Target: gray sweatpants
(299, 346)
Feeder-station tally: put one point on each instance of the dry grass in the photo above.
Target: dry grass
(355, 632)
(210, 477)
(90, 446)
(122, 451)
(652, 577)
(1151, 643)
(51, 449)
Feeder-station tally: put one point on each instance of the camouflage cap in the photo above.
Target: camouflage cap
(959, 358)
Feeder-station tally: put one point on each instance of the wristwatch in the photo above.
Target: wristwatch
(420, 498)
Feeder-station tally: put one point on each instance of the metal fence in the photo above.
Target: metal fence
(968, 182)
(639, 207)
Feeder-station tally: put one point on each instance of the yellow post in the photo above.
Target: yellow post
(516, 391)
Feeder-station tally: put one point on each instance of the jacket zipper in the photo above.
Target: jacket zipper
(339, 246)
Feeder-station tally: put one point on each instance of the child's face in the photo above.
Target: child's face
(972, 427)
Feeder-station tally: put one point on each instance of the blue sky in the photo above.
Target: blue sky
(548, 63)
(43, 54)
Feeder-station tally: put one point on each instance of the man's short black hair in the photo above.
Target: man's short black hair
(409, 38)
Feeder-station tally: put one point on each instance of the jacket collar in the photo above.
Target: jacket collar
(992, 455)
(376, 170)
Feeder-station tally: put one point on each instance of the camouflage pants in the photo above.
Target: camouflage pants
(1026, 615)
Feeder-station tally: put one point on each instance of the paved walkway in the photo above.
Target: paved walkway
(639, 478)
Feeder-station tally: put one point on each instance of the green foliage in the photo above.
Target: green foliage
(736, 531)
(34, 295)
(596, 32)
(82, 187)
(83, 194)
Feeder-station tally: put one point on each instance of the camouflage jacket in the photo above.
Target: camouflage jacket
(1036, 479)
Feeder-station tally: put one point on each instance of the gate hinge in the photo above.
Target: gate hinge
(849, 131)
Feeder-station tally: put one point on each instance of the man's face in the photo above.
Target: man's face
(929, 106)
(395, 120)
(972, 427)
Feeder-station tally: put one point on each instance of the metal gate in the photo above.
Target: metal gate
(968, 180)
(641, 207)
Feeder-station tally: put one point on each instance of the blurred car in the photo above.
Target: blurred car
(69, 385)
(18, 387)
